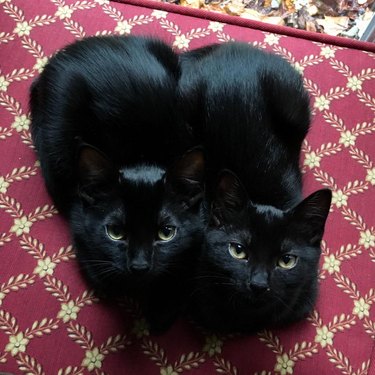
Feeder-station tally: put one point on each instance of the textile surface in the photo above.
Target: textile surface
(50, 322)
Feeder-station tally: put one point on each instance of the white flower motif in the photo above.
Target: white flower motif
(297, 66)
(181, 42)
(64, 12)
(284, 364)
(68, 311)
(123, 27)
(324, 336)
(2, 296)
(272, 39)
(3, 185)
(312, 160)
(159, 14)
(140, 328)
(213, 345)
(322, 103)
(327, 52)
(4, 1)
(22, 28)
(354, 83)
(347, 138)
(367, 239)
(17, 344)
(40, 63)
(215, 26)
(371, 176)
(3, 83)
(21, 225)
(168, 371)
(21, 123)
(339, 198)
(102, 2)
(361, 308)
(45, 267)
(93, 359)
(331, 264)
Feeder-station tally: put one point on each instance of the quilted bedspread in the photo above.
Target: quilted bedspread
(51, 323)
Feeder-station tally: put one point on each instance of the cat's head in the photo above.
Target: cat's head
(134, 224)
(260, 252)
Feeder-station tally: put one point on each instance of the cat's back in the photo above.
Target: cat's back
(116, 66)
(109, 62)
(252, 116)
(116, 93)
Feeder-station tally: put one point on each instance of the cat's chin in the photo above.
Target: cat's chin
(255, 300)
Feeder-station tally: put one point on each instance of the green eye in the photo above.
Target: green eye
(167, 232)
(115, 232)
(236, 250)
(287, 261)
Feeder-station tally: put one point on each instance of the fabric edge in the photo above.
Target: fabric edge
(262, 26)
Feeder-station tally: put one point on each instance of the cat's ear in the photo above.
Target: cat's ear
(185, 177)
(230, 197)
(96, 173)
(309, 216)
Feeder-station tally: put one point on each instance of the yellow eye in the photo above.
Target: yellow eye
(167, 232)
(236, 250)
(115, 232)
(287, 261)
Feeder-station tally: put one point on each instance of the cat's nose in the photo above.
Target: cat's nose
(139, 268)
(259, 288)
(259, 281)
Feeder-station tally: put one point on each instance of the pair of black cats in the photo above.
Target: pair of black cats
(219, 230)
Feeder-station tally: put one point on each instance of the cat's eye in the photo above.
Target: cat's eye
(115, 232)
(166, 232)
(236, 250)
(287, 261)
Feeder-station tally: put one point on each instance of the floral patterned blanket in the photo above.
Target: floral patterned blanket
(50, 323)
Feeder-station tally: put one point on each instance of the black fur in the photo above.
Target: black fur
(112, 148)
(249, 110)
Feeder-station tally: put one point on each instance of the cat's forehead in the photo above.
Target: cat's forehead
(141, 189)
(143, 174)
(262, 225)
(264, 220)
(268, 214)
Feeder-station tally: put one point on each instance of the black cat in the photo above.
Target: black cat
(258, 266)
(113, 152)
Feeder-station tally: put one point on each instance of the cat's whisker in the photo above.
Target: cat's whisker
(103, 269)
(97, 264)
(209, 277)
(109, 273)
(228, 282)
(280, 299)
(99, 261)
(199, 289)
(233, 300)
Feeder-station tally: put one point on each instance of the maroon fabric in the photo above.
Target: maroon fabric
(50, 322)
